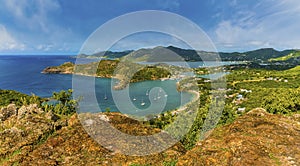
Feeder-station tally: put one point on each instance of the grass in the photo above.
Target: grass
(15, 153)
(170, 163)
(294, 54)
(271, 155)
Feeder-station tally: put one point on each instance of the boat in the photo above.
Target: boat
(134, 99)
(143, 103)
(105, 97)
(147, 93)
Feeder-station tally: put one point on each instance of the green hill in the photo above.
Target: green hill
(263, 54)
(171, 53)
(292, 55)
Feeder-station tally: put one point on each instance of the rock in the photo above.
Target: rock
(7, 112)
(104, 118)
(51, 70)
(27, 110)
(258, 112)
(88, 122)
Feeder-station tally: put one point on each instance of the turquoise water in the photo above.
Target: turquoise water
(23, 73)
(157, 96)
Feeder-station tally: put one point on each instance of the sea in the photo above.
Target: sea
(23, 73)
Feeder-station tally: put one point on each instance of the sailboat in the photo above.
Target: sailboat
(105, 97)
(143, 103)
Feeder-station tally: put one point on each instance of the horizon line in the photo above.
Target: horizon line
(78, 53)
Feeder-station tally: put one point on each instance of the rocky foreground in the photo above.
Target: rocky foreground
(30, 136)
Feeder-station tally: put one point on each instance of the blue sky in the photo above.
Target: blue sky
(62, 26)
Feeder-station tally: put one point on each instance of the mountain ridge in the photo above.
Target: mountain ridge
(172, 53)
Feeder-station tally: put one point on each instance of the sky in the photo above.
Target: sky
(62, 26)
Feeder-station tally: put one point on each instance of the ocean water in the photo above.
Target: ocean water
(23, 74)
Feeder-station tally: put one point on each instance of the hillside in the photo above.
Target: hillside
(171, 53)
(124, 71)
(106, 54)
(168, 53)
(29, 135)
(37, 139)
(291, 56)
(257, 138)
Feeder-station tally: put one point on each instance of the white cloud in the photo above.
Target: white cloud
(35, 24)
(45, 47)
(33, 14)
(8, 42)
(274, 24)
(169, 4)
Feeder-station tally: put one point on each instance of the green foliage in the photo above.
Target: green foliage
(275, 91)
(291, 55)
(10, 96)
(107, 110)
(150, 73)
(260, 54)
(66, 105)
(282, 101)
(170, 163)
(163, 120)
(134, 164)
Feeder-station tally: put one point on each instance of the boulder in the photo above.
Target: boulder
(28, 110)
(7, 112)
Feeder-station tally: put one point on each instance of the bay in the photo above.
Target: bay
(23, 74)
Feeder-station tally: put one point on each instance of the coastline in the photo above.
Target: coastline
(107, 71)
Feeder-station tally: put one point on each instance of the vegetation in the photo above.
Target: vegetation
(168, 53)
(112, 69)
(64, 104)
(105, 54)
(291, 55)
(10, 96)
(249, 86)
(276, 91)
